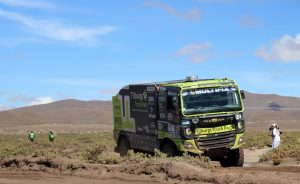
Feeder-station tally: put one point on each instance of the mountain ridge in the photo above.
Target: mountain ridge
(260, 110)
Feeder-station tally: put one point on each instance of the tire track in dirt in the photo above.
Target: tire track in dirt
(62, 170)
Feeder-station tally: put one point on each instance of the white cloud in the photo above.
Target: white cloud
(286, 50)
(41, 100)
(3, 107)
(196, 52)
(192, 14)
(39, 4)
(56, 30)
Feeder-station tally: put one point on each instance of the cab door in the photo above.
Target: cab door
(169, 112)
(173, 105)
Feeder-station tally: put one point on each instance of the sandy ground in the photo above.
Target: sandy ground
(41, 170)
(38, 171)
(252, 156)
(41, 178)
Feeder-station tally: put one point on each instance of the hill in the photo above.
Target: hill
(263, 109)
(60, 112)
(260, 111)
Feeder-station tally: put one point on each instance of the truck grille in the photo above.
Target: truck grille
(216, 141)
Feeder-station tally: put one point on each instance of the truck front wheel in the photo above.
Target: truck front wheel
(235, 158)
(169, 149)
(123, 146)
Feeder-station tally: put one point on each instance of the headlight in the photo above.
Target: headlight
(241, 140)
(188, 131)
(240, 125)
(238, 116)
(188, 146)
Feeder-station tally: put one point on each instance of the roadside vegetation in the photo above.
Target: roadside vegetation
(99, 148)
(289, 147)
(92, 148)
(72, 146)
(257, 140)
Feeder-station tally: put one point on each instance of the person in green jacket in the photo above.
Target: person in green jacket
(31, 136)
(51, 136)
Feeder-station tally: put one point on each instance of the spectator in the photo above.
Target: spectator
(275, 135)
(51, 136)
(31, 136)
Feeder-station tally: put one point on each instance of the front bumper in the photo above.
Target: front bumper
(205, 143)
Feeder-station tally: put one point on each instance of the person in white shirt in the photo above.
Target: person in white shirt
(275, 135)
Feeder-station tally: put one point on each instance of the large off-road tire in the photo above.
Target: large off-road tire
(123, 146)
(170, 149)
(235, 158)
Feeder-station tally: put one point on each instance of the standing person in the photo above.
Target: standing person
(31, 136)
(51, 136)
(275, 135)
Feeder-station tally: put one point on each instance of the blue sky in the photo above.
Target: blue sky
(87, 49)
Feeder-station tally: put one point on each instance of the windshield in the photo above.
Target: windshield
(209, 100)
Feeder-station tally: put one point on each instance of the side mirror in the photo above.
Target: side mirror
(243, 94)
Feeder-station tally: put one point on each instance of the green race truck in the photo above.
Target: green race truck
(198, 116)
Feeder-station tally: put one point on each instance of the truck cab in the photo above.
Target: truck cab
(198, 116)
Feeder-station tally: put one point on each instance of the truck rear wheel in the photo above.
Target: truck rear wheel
(123, 146)
(170, 149)
(235, 158)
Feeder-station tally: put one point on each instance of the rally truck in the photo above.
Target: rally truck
(198, 116)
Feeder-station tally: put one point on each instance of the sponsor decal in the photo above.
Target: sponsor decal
(208, 91)
(174, 131)
(139, 96)
(150, 88)
(214, 120)
(117, 107)
(170, 116)
(220, 129)
(139, 101)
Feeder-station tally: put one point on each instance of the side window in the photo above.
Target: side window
(162, 104)
(172, 101)
(170, 104)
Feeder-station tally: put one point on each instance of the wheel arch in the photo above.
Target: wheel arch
(122, 135)
(167, 140)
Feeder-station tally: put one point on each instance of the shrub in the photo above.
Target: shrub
(92, 152)
(108, 158)
(276, 156)
(159, 154)
(198, 161)
(257, 140)
(289, 148)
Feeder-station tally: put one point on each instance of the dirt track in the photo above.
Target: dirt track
(61, 170)
(232, 175)
(40, 170)
(8, 177)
